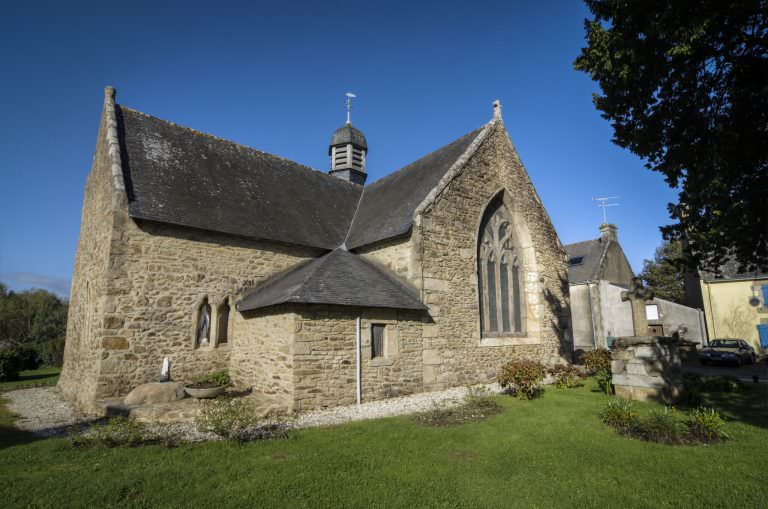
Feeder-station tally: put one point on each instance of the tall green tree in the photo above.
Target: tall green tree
(666, 272)
(33, 320)
(684, 84)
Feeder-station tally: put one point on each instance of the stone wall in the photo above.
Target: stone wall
(160, 275)
(263, 355)
(398, 256)
(447, 234)
(82, 352)
(324, 356)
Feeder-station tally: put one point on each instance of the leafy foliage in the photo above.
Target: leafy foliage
(478, 405)
(701, 425)
(124, 432)
(10, 364)
(685, 87)
(596, 360)
(664, 274)
(237, 419)
(620, 414)
(566, 376)
(706, 425)
(215, 379)
(605, 381)
(524, 377)
(35, 320)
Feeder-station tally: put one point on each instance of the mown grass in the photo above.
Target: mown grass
(550, 452)
(43, 377)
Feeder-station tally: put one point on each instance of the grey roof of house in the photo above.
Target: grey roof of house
(180, 176)
(592, 252)
(387, 206)
(338, 277)
(729, 271)
(347, 134)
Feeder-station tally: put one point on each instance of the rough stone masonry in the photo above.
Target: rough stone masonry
(174, 219)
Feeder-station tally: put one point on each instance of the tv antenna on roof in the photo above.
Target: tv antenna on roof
(350, 96)
(602, 202)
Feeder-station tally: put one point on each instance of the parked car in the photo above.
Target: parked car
(731, 351)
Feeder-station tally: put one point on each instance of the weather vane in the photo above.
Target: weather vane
(350, 96)
(602, 202)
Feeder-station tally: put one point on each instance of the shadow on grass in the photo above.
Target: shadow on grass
(748, 404)
(11, 436)
(36, 376)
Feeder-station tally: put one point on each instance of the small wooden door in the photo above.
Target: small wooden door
(656, 330)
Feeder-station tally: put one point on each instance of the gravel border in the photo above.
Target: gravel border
(42, 411)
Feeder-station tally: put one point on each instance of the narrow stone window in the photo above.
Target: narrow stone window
(377, 340)
(203, 335)
(502, 306)
(223, 323)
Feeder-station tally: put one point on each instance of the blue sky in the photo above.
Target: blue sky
(272, 75)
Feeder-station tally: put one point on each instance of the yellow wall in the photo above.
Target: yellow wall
(728, 311)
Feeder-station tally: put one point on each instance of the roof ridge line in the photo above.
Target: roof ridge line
(113, 140)
(455, 168)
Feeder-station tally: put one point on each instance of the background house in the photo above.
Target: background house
(598, 271)
(736, 304)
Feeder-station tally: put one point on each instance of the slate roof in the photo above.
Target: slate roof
(387, 206)
(180, 176)
(339, 277)
(729, 271)
(592, 252)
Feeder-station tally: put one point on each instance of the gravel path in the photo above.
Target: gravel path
(42, 411)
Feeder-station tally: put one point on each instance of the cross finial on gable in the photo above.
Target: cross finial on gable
(496, 109)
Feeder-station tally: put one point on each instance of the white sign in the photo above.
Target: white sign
(651, 312)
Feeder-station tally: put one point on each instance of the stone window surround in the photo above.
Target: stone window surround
(213, 343)
(391, 340)
(523, 242)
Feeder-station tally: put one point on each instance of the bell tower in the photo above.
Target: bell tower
(348, 149)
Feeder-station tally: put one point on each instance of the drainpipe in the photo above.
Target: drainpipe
(358, 382)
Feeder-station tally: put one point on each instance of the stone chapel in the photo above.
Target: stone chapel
(312, 288)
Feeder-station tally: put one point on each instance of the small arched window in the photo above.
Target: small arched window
(223, 323)
(203, 335)
(502, 304)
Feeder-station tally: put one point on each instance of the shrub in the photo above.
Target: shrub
(524, 376)
(597, 360)
(10, 364)
(237, 419)
(566, 376)
(215, 379)
(663, 426)
(620, 415)
(706, 425)
(478, 405)
(117, 432)
(605, 381)
(123, 432)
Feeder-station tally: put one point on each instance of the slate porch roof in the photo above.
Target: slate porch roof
(592, 253)
(180, 176)
(339, 277)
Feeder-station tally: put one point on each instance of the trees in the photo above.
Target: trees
(35, 321)
(685, 86)
(664, 275)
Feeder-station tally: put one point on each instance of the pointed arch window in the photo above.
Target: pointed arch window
(222, 328)
(502, 305)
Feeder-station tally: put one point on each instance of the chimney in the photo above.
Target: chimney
(609, 232)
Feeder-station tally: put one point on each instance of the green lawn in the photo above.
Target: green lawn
(552, 452)
(42, 377)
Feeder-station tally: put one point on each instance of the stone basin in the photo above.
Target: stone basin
(207, 393)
